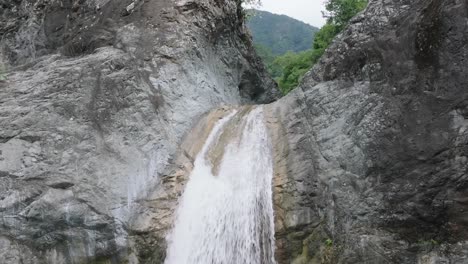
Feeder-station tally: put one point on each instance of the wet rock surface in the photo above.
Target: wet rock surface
(377, 142)
(105, 106)
(97, 99)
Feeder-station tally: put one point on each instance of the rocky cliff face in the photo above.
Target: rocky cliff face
(370, 151)
(98, 97)
(376, 167)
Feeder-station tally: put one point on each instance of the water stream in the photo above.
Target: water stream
(225, 215)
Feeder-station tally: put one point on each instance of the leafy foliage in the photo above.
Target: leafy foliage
(244, 5)
(339, 12)
(290, 67)
(295, 65)
(269, 60)
(252, 2)
(280, 33)
(325, 36)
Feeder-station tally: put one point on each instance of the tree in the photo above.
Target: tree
(339, 12)
(280, 33)
(251, 3)
(325, 36)
(289, 68)
(294, 66)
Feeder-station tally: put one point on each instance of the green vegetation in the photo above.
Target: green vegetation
(244, 6)
(280, 33)
(328, 242)
(339, 12)
(251, 2)
(431, 242)
(290, 67)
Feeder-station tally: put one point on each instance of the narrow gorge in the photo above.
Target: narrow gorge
(149, 131)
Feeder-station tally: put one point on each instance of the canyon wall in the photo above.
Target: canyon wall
(97, 99)
(106, 104)
(374, 168)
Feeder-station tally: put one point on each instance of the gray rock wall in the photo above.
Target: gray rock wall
(98, 97)
(377, 142)
(370, 151)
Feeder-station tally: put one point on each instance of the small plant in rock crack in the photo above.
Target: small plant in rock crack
(248, 7)
(328, 242)
(431, 242)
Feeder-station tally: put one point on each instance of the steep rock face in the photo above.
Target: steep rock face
(377, 142)
(98, 97)
(370, 151)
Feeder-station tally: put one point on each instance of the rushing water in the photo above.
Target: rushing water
(225, 215)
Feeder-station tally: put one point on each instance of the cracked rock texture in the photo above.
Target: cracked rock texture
(374, 167)
(97, 99)
(371, 150)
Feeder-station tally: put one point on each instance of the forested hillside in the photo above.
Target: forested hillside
(289, 67)
(280, 33)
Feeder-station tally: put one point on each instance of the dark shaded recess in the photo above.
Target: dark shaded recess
(88, 42)
(30, 139)
(150, 249)
(429, 36)
(79, 29)
(6, 139)
(62, 185)
(7, 174)
(249, 87)
(77, 32)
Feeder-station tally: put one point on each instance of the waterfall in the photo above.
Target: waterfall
(225, 215)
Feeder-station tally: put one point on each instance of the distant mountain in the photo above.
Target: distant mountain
(280, 33)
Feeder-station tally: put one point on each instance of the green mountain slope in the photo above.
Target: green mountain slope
(280, 33)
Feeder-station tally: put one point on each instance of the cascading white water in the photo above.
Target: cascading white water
(225, 215)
